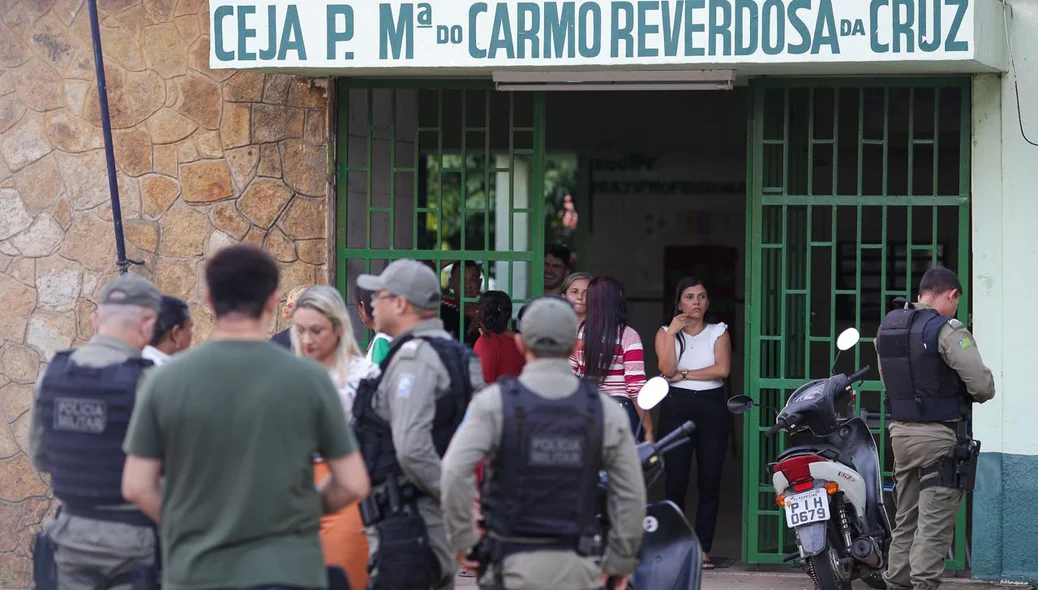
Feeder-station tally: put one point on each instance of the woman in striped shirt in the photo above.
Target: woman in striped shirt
(609, 352)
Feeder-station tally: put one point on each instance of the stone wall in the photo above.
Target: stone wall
(206, 159)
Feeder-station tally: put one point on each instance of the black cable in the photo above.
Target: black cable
(1016, 83)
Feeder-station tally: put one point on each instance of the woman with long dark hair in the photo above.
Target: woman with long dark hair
(695, 356)
(609, 352)
(496, 347)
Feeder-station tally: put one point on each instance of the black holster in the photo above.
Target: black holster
(404, 558)
(957, 471)
(44, 571)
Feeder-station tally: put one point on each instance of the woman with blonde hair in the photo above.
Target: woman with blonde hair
(322, 331)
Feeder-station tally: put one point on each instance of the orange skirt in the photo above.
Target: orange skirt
(343, 539)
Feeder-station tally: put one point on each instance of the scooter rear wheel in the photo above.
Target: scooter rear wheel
(825, 570)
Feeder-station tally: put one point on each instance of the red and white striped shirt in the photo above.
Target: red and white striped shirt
(626, 373)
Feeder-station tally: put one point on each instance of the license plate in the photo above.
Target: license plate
(806, 508)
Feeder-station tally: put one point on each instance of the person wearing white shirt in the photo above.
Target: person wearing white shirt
(174, 331)
(695, 356)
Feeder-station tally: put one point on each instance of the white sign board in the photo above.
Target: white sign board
(369, 34)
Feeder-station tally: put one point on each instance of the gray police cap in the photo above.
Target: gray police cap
(130, 289)
(410, 279)
(549, 325)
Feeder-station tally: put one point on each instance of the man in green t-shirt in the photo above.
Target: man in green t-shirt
(234, 425)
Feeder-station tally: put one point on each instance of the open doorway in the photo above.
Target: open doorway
(659, 192)
(856, 186)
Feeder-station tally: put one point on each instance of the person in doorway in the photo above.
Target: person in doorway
(557, 264)
(284, 337)
(452, 307)
(496, 347)
(695, 357)
(234, 425)
(405, 419)
(322, 331)
(535, 500)
(83, 402)
(378, 348)
(610, 353)
(174, 331)
(574, 290)
(932, 372)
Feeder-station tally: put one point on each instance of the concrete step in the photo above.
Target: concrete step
(725, 579)
(764, 580)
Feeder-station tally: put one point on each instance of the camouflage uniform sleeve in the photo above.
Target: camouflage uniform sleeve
(959, 350)
(477, 437)
(413, 379)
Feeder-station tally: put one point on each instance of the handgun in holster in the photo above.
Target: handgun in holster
(959, 469)
(44, 571)
(480, 554)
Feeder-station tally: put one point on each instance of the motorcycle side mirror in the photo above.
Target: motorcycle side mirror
(847, 339)
(740, 404)
(652, 393)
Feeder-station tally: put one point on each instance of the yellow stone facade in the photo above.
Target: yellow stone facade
(205, 158)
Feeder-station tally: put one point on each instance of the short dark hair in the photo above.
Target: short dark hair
(173, 312)
(240, 279)
(939, 280)
(362, 295)
(560, 251)
(495, 310)
(468, 264)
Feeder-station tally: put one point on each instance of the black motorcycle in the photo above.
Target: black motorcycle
(670, 557)
(829, 484)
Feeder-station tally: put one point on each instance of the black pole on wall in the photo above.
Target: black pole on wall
(106, 127)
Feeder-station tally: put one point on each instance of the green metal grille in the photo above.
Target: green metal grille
(445, 172)
(856, 187)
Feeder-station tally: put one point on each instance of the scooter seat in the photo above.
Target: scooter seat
(827, 452)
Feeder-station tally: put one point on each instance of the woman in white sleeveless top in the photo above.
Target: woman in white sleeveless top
(695, 356)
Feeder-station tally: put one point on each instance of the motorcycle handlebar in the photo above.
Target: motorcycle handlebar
(859, 374)
(780, 423)
(683, 431)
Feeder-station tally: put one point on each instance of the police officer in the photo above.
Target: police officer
(932, 372)
(83, 404)
(546, 436)
(404, 420)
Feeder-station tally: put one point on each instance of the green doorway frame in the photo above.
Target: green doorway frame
(400, 142)
(831, 243)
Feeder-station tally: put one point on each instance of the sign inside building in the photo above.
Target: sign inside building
(367, 34)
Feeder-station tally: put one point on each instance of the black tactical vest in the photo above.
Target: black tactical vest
(543, 480)
(85, 412)
(920, 386)
(374, 433)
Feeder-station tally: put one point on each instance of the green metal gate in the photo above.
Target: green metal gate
(856, 187)
(446, 172)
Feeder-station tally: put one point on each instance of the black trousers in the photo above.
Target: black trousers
(708, 443)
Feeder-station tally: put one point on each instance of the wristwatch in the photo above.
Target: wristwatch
(684, 374)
